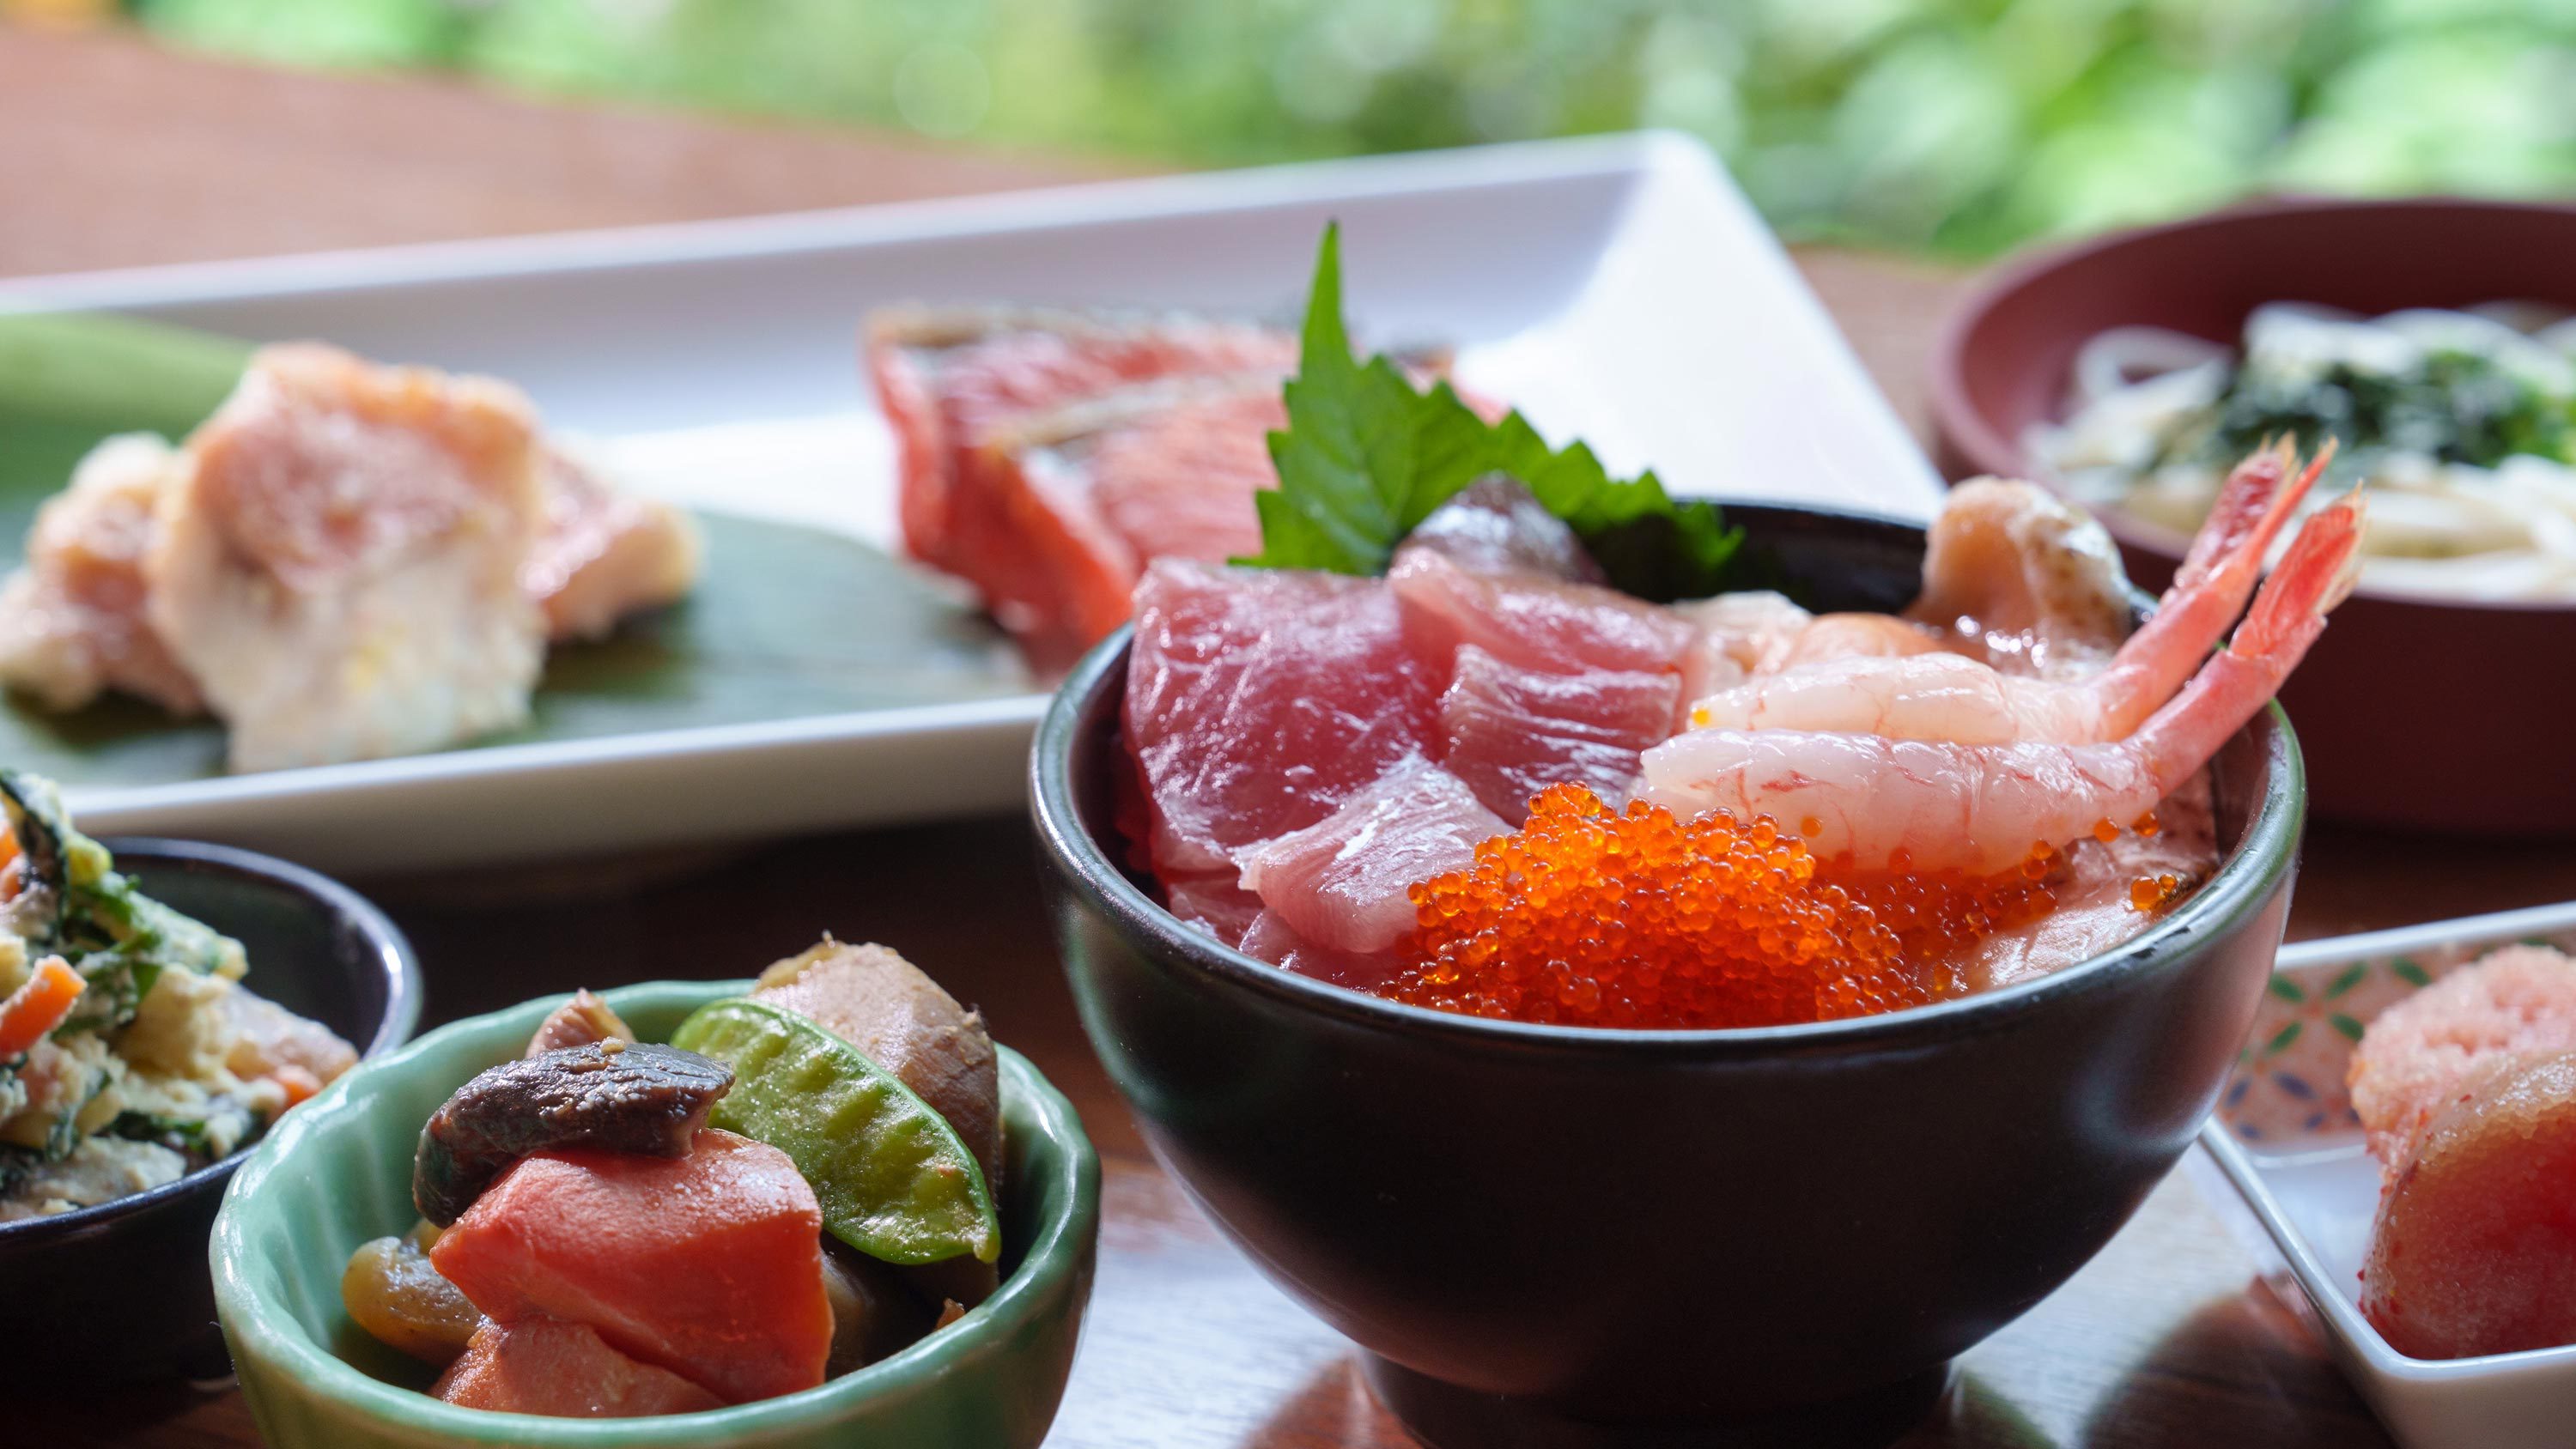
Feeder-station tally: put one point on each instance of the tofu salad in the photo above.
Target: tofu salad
(130, 1052)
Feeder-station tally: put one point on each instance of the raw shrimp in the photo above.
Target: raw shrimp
(1930, 806)
(2014, 575)
(1855, 636)
(1949, 697)
(1734, 636)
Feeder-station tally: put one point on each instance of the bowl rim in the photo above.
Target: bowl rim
(1983, 445)
(386, 943)
(2244, 881)
(254, 1326)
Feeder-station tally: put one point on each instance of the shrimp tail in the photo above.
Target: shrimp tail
(2243, 502)
(2210, 588)
(2288, 615)
(2258, 497)
(2316, 574)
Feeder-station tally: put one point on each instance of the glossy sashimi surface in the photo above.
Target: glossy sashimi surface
(1312, 745)
(1510, 733)
(1216, 903)
(1259, 700)
(1273, 940)
(1496, 527)
(1341, 883)
(1533, 622)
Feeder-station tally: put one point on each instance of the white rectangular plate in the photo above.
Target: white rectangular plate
(2315, 1191)
(1618, 290)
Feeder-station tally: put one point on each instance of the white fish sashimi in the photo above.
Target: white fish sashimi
(339, 566)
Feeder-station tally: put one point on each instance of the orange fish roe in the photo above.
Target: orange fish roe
(2148, 892)
(1637, 919)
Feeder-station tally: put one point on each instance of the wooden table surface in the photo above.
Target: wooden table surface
(122, 155)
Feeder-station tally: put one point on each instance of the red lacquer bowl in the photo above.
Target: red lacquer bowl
(2448, 717)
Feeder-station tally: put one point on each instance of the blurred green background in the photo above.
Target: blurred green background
(1955, 127)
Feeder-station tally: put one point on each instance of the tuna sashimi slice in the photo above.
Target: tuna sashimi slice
(1497, 526)
(1273, 940)
(709, 1265)
(1258, 700)
(1030, 537)
(1342, 882)
(1215, 904)
(565, 1370)
(1514, 732)
(1533, 622)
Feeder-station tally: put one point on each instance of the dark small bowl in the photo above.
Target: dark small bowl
(122, 1290)
(2400, 692)
(1554, 1235)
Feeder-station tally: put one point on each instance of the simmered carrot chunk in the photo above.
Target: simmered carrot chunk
(709, 1265)
(547, 1366)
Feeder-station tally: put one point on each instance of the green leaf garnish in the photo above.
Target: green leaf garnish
(1366, 456)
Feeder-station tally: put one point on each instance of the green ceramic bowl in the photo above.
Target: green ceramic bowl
(338, 1172)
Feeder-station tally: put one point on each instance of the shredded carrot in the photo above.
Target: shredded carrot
(299, 1083)
(39, 1006)
(12, 874)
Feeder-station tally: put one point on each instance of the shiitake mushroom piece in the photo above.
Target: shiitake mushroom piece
(610, 1095)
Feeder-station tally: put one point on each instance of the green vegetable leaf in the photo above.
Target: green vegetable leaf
(1367, 455)
(79, 906)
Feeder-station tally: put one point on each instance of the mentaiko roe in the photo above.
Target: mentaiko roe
(1590, 917)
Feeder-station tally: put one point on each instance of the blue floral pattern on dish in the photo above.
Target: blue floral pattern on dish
(2288, 1088)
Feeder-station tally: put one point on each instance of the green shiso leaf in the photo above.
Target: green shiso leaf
(1367, 455)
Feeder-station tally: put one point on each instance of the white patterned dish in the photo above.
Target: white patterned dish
(2294, 1152)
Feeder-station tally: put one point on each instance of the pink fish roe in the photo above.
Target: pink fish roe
(2475, 1248)
(2425, 1053)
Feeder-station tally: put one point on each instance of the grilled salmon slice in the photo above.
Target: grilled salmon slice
(1057, 514)
(949, 379)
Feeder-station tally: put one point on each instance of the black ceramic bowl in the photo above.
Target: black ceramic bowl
(121, 1291)
(1553, 1235)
